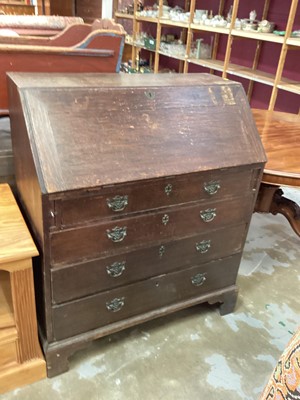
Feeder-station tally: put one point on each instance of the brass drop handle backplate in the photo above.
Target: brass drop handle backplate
(116, 269)
(198, 279)
(117, 203)
(203, 246)
(208, 215)
(115, 304)
(117, 234)
(212, 187)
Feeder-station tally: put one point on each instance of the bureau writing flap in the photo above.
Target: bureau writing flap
(100, 129)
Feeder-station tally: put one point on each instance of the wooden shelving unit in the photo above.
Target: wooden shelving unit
(227, 67)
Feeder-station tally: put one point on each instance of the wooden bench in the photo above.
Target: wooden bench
(37, 25)
(79, 48)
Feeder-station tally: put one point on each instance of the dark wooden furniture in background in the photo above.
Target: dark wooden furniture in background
(79, 48)
(139, 192)
(280, 134)
(89, 10)
(16, 8)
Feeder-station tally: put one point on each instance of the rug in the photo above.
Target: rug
(284, 383)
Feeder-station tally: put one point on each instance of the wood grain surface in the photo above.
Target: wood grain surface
(280, 134)
(15, 239)
(140, 128)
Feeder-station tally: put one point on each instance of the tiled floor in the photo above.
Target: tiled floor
(196, 354)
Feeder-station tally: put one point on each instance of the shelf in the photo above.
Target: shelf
(174, 23)
(205, 28)
(267, 37)
(143, 47)
(181, 58)
(222, 48)
(125, 16)
(216, 65)
(289, 86)
(249, 73)
(147, 19)
(293, 41)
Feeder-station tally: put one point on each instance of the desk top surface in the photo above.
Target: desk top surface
(15, 239)
(280, 135)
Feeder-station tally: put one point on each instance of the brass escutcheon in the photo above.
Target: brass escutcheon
(161, 251)
(168, 189)
(165, 219)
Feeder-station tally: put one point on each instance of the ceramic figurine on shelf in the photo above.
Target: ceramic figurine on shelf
(252, 15)
(229, 14)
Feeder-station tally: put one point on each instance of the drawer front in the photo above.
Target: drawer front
(101, 240)
(123, 199)
(118, 304)
(84, 279)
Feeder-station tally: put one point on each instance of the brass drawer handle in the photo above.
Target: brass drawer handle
(212, 187)
(208, 215)
(168, 189)
(117, 234)
(165, 219)
(116, 269)
(203, 246)
(198, 279)
(117, 203)
(115, 304)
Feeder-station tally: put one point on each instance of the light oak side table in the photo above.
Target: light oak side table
(21, 359)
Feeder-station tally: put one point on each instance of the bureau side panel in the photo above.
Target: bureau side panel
(33, 203)
(29, 191)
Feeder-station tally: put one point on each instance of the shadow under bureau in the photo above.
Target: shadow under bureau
(139, 190)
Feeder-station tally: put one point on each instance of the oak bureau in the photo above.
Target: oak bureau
(138, 189)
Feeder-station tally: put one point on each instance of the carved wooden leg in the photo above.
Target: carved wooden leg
(271, 199)
(229, 302)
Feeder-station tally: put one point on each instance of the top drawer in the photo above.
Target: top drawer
(136, 197)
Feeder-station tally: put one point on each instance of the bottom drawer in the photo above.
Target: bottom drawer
(102, 309)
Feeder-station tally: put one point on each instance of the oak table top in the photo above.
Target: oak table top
(15, 239)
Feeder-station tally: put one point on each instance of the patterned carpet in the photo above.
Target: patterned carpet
(284, 383)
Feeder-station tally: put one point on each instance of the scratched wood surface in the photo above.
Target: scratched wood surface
(279, 133)
(15, 239)
(140, 128)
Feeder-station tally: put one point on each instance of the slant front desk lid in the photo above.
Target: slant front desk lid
(89, 130)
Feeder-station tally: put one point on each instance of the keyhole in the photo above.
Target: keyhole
(150, 95)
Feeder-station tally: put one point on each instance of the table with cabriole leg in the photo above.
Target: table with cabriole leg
(280, 133)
